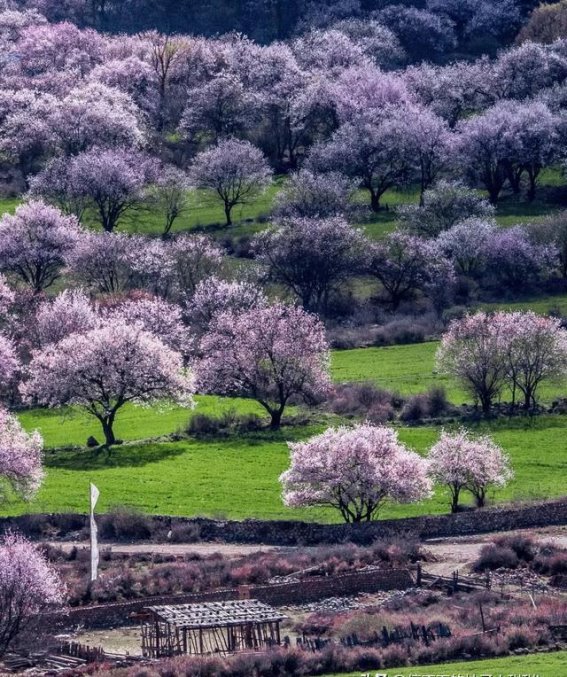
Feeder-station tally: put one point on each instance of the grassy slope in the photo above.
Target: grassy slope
(407, 369)
(238, 476)
(542, 665)
(206, 212)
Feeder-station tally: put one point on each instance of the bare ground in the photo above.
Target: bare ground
(459, 553)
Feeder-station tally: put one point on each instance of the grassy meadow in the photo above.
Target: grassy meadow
(409, 369)
(535, 665)
(236, 476)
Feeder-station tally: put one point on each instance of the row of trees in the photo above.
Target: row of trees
(66, 91)
(516, 350)
(357, 470)
(114, 184)
(312, 258)
(277, 19)
(71, 351)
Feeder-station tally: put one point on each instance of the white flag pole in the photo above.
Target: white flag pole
(94, 539)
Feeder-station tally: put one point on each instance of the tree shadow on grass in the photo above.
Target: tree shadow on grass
(120, 456)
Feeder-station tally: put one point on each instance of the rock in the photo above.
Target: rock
(92, 442)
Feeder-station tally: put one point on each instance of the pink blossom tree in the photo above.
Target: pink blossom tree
(473, 351)
(194, 258)
(101, 261)
(236, 171)
(36, 242)
(169, 196)
(443, 205)
(154, 315)
(152, 265)
(94, 115)
(378, 43)
(367, 90)
(463, 462)
(329, 52)
(28, 586)
(514, 261)
(218, 109)
(481, 149)
(110, 182)
(369, 150)
(103, 369)
(9, 363)
(48, 47)
(269, 354)
(355, 471)
(214, 296)
(422, 34)
(20, 458)
(69, 312)
(306, 194)
(467, 244)
(312, 257)
(453, 91)
(405, 264)
(132, 75)
(536, 352)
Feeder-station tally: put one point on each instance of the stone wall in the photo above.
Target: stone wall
(281, 594)
(290, 533)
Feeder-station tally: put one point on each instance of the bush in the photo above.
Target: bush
(228, 422)
(125, 524)
(430, 404)
(185, 533)
(494, 556)
(365, 400)
(550, 561)
(523, 546)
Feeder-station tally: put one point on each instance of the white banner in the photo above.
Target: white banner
(94, 540)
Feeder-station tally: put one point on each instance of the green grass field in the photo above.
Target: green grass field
(238, 476)
(534, 665)
(206, 212)
(407, 370)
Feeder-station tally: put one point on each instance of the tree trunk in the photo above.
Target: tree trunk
(485, 403)
(493, 194)
(374, 201)
(107, 427)
(532, 185)
(455, 492)
(276, 421)
(228, 214)
(480, 496)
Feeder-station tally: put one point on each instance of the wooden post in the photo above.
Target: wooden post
(482, 617)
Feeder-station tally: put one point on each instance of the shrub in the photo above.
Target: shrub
(124, 523)
(523, 546)
(437, 403)
(494, 556)
(550, 561)
(430, 404)
(185, 533)
(228, 422)
(365, 400)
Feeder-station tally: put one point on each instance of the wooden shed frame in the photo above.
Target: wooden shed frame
(209, 628)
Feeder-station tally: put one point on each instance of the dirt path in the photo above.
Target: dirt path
(450, 553)
(459, 553)
(225, 549)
